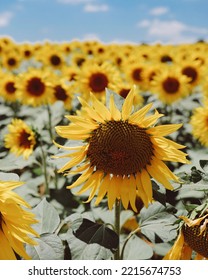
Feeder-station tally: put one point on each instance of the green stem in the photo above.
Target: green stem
(44, 164)
(49, 122)
(117, 227)
(127, 239)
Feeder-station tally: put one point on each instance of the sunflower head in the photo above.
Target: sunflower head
(121, 150)
(15, 223)
(21, 139)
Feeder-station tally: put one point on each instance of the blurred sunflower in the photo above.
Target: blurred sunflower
(96, 78)
(193, 237)
(62, 92)
(135, 72)
(21, 139)
(192, 69)
(121, 151)
(170, 85)
(34, 87)
(8, 86)
(11, 59)
(199, 123)
(15, 223)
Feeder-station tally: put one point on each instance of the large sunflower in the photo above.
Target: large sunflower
(15, 223)
(199, 123)
(121, 151)
(20, 139)
(193, 237)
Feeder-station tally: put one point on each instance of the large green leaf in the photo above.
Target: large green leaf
(47, 216)
(49, 247)
(156, 221)
(137, 249)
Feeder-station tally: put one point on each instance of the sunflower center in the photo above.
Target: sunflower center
(10, 88)
(166, 58)
(191, 73)
(119, 148)
(60, 93)
(11, 61)
(124, 92)
(35, 86)
(171, 85)
(55, 60)
(137, 74)
(98, 82)
(24, 140)
(198, 242)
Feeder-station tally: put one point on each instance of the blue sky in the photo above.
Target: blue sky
(137, 21)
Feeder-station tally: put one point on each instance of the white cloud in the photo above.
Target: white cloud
(158, 11)
(171, 31)
(5, 18)
(94, 8)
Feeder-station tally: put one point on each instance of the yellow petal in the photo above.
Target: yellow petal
(115, 113)
(146, 184)
(128, 103)
(84, 177)
(163, 130)
(103, 189)
(138, 116)
(142, 194)
(176, 250)
(100, 108)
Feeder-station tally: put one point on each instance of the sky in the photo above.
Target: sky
(120, 21)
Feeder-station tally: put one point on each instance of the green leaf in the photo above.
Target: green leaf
(156, 220)
(9, 177)
(47, 216)
(204, 164)
(90, 232)
(49, 247)
(137, 249)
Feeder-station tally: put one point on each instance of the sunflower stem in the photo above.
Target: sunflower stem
(117, 226)
(44, 164)
(49, 122)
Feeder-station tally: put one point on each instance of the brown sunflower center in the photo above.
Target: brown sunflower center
(98, 82)
(124, 92)
(55, 60)
(137, 74)
(120, 148)
(11, 61)
(60, 93)
(198, 242)
(166, 58)
(191, 73)
(171, 85)
(35, 86)
(24, 140)
(10, 87)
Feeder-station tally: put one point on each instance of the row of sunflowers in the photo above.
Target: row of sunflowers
(103, 150)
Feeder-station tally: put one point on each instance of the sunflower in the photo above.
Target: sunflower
(170, 85)
(21, 139)
(121, 151)
(199, 123)
(8, 86)
(11, 59)
(191, 69)
(96, 78)
(62, 92)
(15, 223)
(193, 237)
(34, 87)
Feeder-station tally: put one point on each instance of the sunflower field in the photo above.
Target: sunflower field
(103, 151)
